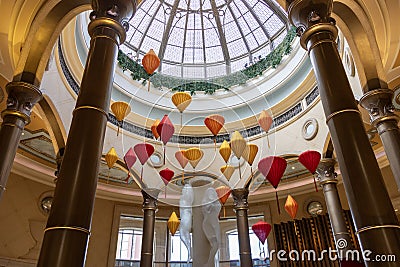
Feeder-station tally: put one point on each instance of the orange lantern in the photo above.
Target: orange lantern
(265, 121)
(214, 123)
(181, 101)
(120, 110)
(154, 129)
(225, 151)
(223, 193)
(173, 223)
(150, 63)
(227, 171)
(291, 206)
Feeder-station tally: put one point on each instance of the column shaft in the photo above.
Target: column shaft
(68, 227)
(21, 99)
(149, 219)
(376, 223)
(328, 181)
(241, 206)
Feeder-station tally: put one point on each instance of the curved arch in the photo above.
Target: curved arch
(43, 33)
(356, 26)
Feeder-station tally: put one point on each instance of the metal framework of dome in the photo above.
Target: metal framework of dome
(205, 38)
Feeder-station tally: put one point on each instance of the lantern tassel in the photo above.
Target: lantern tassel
(141, 174)
(215, 143)
(315, 184)
(148, 87)
(240, 172)
(183, 176)
(118, 129)
(181, 119)
(268, 141)
(277, 202)
(164, 154)
(224, 212)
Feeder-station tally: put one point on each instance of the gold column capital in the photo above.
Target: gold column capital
(150, 196)
(240, 196)
(114, 15)
(22, 97)
(379, 105)
(326, 171)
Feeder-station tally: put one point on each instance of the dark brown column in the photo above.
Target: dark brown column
(68, 227)
(149, 218)
(327, 179)
(21, 99)
(241, 207)
(376, 223)
(381, 110)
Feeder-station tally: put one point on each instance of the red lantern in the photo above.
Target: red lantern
(310, 159)
(262, 230)
(166, 175)
(129, 159)
(273, 169)
(143, 152)
(166, 130)
(214, 123)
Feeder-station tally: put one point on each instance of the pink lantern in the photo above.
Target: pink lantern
(143, 152)
(166, 130)
(183, 161)
(129, 159)
(262, 230)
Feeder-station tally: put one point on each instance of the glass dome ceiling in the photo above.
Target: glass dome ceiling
(205, 38)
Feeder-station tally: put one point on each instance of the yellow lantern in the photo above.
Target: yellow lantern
(181, 100)
(250, 154)
(194, 155)
(173, 223)
(227, 171)
(238, 145)
(111, 157)
(225, 151)
(120, 110)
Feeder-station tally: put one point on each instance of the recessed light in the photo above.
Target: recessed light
(23, 133)
(293, 167)
(396, 210)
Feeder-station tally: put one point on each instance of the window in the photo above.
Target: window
(129, 244)
(258, 250)
(178, 250)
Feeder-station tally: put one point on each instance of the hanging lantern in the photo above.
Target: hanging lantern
(166, 130)
(310, 159)
(238, 145)
(194, 155)
(173, 223)
(150, 63)
(181, 101)
(223, 193)
(183, 161)
(225, 151)
(111, 157)
(120, 110)
(265, 121)
(291, 206)
(214, 123)
(250, 154)
(262, 230)
(227, 171)
(166, 175)
(143, 152)
(154, 129)
(273, 169)
(129, 159)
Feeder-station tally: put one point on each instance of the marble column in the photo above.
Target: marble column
(379, 105)
(241, 207)
(327, 179)
(376, 223)
(68, 226)
(150, 197)
(21, 99)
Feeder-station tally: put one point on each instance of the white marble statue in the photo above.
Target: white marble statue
(211, 208)
(185, 209)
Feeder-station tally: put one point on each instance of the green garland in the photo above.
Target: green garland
(273, 59)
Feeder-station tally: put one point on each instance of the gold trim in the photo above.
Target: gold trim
(17, 114)
(104, 36)
(342, 233)
(23, 84)
(384, 118)
(318, 43)
(74, 228)
(316, 29)
(147, 253)
(90, 107)
(329, 117)
(367, 228)
(109, 23)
